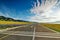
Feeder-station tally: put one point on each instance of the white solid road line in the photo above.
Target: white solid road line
(50, 29)
(4, 37)
(12, 28)
(37, 34)
(34, 34)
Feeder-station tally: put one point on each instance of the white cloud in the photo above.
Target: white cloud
(43, 7)
(44, 13)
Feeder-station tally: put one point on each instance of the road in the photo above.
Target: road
(31, 32)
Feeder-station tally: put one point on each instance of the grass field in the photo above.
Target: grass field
(11, 22)
(55, 27)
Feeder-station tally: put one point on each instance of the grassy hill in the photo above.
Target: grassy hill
(2, 18)
(6, 20)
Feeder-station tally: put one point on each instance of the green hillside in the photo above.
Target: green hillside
(2, 18)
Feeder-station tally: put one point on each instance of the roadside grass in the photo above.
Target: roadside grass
(55, 27)
(6, 26)
(11, 24)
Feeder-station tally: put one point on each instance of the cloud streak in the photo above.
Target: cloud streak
(44, 11)
(7, 12)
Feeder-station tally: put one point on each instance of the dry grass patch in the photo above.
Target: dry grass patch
(55, 27)
(11, 22)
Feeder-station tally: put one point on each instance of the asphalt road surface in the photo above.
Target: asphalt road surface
(31, 32)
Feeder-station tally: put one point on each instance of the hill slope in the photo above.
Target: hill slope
(2, 18)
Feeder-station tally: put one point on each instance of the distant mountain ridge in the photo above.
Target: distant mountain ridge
(10, 19)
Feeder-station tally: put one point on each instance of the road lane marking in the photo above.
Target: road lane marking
(34, 34)
(4, 37)
(14, 28)
(50, 29)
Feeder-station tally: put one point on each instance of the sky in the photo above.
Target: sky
(17, 9)
(31, 10)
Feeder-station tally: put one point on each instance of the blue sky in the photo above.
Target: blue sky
(31, 10)
(18, 9)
